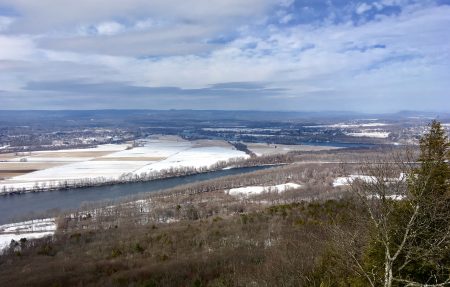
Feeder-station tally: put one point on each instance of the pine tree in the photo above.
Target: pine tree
(429, 186)
(434, 172)
(410, 241)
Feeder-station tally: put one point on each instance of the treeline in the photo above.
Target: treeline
(242, 147)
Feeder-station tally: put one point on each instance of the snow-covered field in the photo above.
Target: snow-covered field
(269, 149)
(370, 134)
(110, 162)
(195, 157)
(70, 155)
(32, 229)
(84, 169)
(352, 125)
(254, 190)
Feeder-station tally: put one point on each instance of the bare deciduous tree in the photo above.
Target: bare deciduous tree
(408, 210)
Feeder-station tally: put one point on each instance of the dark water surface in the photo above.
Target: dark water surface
(20, 205)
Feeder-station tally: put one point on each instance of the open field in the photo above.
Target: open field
(68, 155)
(12, 169)
(6, 156)
(21, 166)
(270, 149)
(207, 143)
(74, 154)
(110, 162)
(12, 173)
(81, 170)
(129, 158)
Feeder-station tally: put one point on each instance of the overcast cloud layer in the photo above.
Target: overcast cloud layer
(370, 56)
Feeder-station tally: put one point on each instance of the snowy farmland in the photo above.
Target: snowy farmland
(110, 162)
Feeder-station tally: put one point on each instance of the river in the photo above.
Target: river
(18, 206)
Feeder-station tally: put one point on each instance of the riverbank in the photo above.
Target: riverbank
(43, 204)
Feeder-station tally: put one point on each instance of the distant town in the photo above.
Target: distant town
(40, 131)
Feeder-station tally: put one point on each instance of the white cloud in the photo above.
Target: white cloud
(147, 23)
(286, 18)
(45, 15)
(5, 22)
(16, 48)
(286, 3)
(109, 28)
(363, 8)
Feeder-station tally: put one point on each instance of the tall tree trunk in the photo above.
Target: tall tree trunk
(387, 272)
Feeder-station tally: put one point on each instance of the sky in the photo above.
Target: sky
(296, 55)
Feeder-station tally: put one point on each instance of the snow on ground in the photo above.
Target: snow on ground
(5, 239)
(164, 147)
(344, 125)
(56, 159)
(32, 229)
(269, 149)
(75, 171)
(195, 157)
(341, 181)
(346, 180)
(370, 134)
(253, 190)
(85, 169)
(393, 197)
(155, 154)
(69, 155)
(103, 147)
(36, 225)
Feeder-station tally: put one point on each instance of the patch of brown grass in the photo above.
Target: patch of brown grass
(209, 143)
(12, 173)
(62, 154)
(24, 166)
(7, 156)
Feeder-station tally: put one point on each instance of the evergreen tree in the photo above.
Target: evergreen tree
(433, 173)
(429, 185)
(410, 241)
